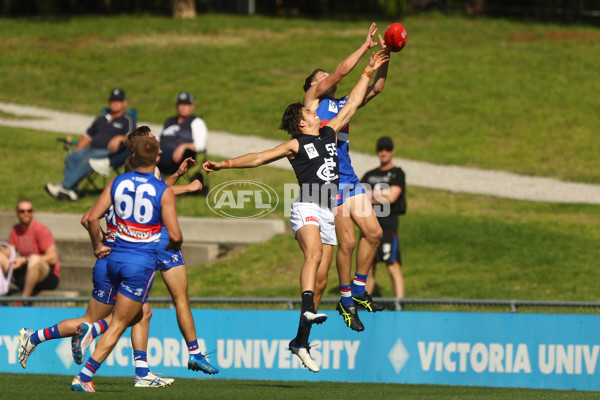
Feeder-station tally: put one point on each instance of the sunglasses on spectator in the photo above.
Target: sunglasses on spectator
(385, 149)
(25, 211)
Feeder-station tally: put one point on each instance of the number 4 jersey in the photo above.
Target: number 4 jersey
(136, 198)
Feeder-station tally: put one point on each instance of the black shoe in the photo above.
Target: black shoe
(350, 317)
(366, 301)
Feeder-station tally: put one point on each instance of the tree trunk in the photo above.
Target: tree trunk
(46, 7)
(185, 9)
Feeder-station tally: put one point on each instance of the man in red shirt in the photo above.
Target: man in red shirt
(36, 268)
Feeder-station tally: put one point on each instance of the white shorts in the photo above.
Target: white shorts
(313, 214)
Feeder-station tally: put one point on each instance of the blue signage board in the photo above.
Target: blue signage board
(542, 351)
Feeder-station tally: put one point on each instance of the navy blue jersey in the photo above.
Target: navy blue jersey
(316, 167)
(104, 128)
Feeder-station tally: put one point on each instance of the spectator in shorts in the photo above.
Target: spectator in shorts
(36, 267)
(387, 188)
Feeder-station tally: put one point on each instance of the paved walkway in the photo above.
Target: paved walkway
(453, 178)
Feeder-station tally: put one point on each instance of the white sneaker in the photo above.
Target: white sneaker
(151, 380)
(101, 165)
(310, 318)
(25, 346)
(53, 190)
(304, 356)
(60, 193)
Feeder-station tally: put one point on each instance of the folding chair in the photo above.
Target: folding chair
(196, 173)
(89, 181)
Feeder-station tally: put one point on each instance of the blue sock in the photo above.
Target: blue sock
(358, 285)
(141, 363)
(346, 295)
(193, 347)
(88, 371)
(45, 334)
(99, 327)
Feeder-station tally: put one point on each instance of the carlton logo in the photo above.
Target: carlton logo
(242, 199)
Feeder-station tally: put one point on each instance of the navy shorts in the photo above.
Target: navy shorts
(389, 248)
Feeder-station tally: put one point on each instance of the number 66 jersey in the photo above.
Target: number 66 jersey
(136, 198)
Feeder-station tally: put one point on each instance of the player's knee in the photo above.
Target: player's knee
(374, 235)
(181, 299)
(146, 314)
(314, 257)
(347, 243)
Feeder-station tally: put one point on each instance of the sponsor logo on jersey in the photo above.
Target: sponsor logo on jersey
(326, 171)
(333, 107)
(111, 233)
(117, 125)
(311, 151)
(141, 233)
(311, 219)
(171, 130)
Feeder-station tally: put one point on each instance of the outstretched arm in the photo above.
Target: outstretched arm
(357, 95)
(312, 95)
(251, 160)
(380, 77)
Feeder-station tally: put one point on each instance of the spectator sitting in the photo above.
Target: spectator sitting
(182, 136)
(36, 268)
(7, 256)
(105, 136)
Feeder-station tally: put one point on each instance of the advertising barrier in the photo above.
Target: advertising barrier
(542, 351)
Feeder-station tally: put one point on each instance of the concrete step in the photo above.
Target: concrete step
(203, 230)
(76, 267)
(75, 251)
(75, 276)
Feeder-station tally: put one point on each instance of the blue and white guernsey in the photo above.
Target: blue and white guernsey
(327, 110)
(136, 198)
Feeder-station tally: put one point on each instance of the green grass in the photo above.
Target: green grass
(453, 246)
(19, 386)
(491, 93)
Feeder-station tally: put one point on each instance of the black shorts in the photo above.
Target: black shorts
(389, 248)
(50, 283)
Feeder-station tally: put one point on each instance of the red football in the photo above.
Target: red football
(395, 37)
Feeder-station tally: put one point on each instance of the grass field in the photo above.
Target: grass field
(19, 386)
(492, 93)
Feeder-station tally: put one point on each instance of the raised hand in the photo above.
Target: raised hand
(185, 165)
(378, 59)
(372, 31)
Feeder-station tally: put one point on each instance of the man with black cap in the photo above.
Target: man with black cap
(105, 136)
(387, 188)
(182, 136)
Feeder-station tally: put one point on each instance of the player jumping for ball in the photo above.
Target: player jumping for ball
(312, 153)
(352, 204)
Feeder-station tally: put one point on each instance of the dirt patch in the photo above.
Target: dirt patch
(532, 36)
